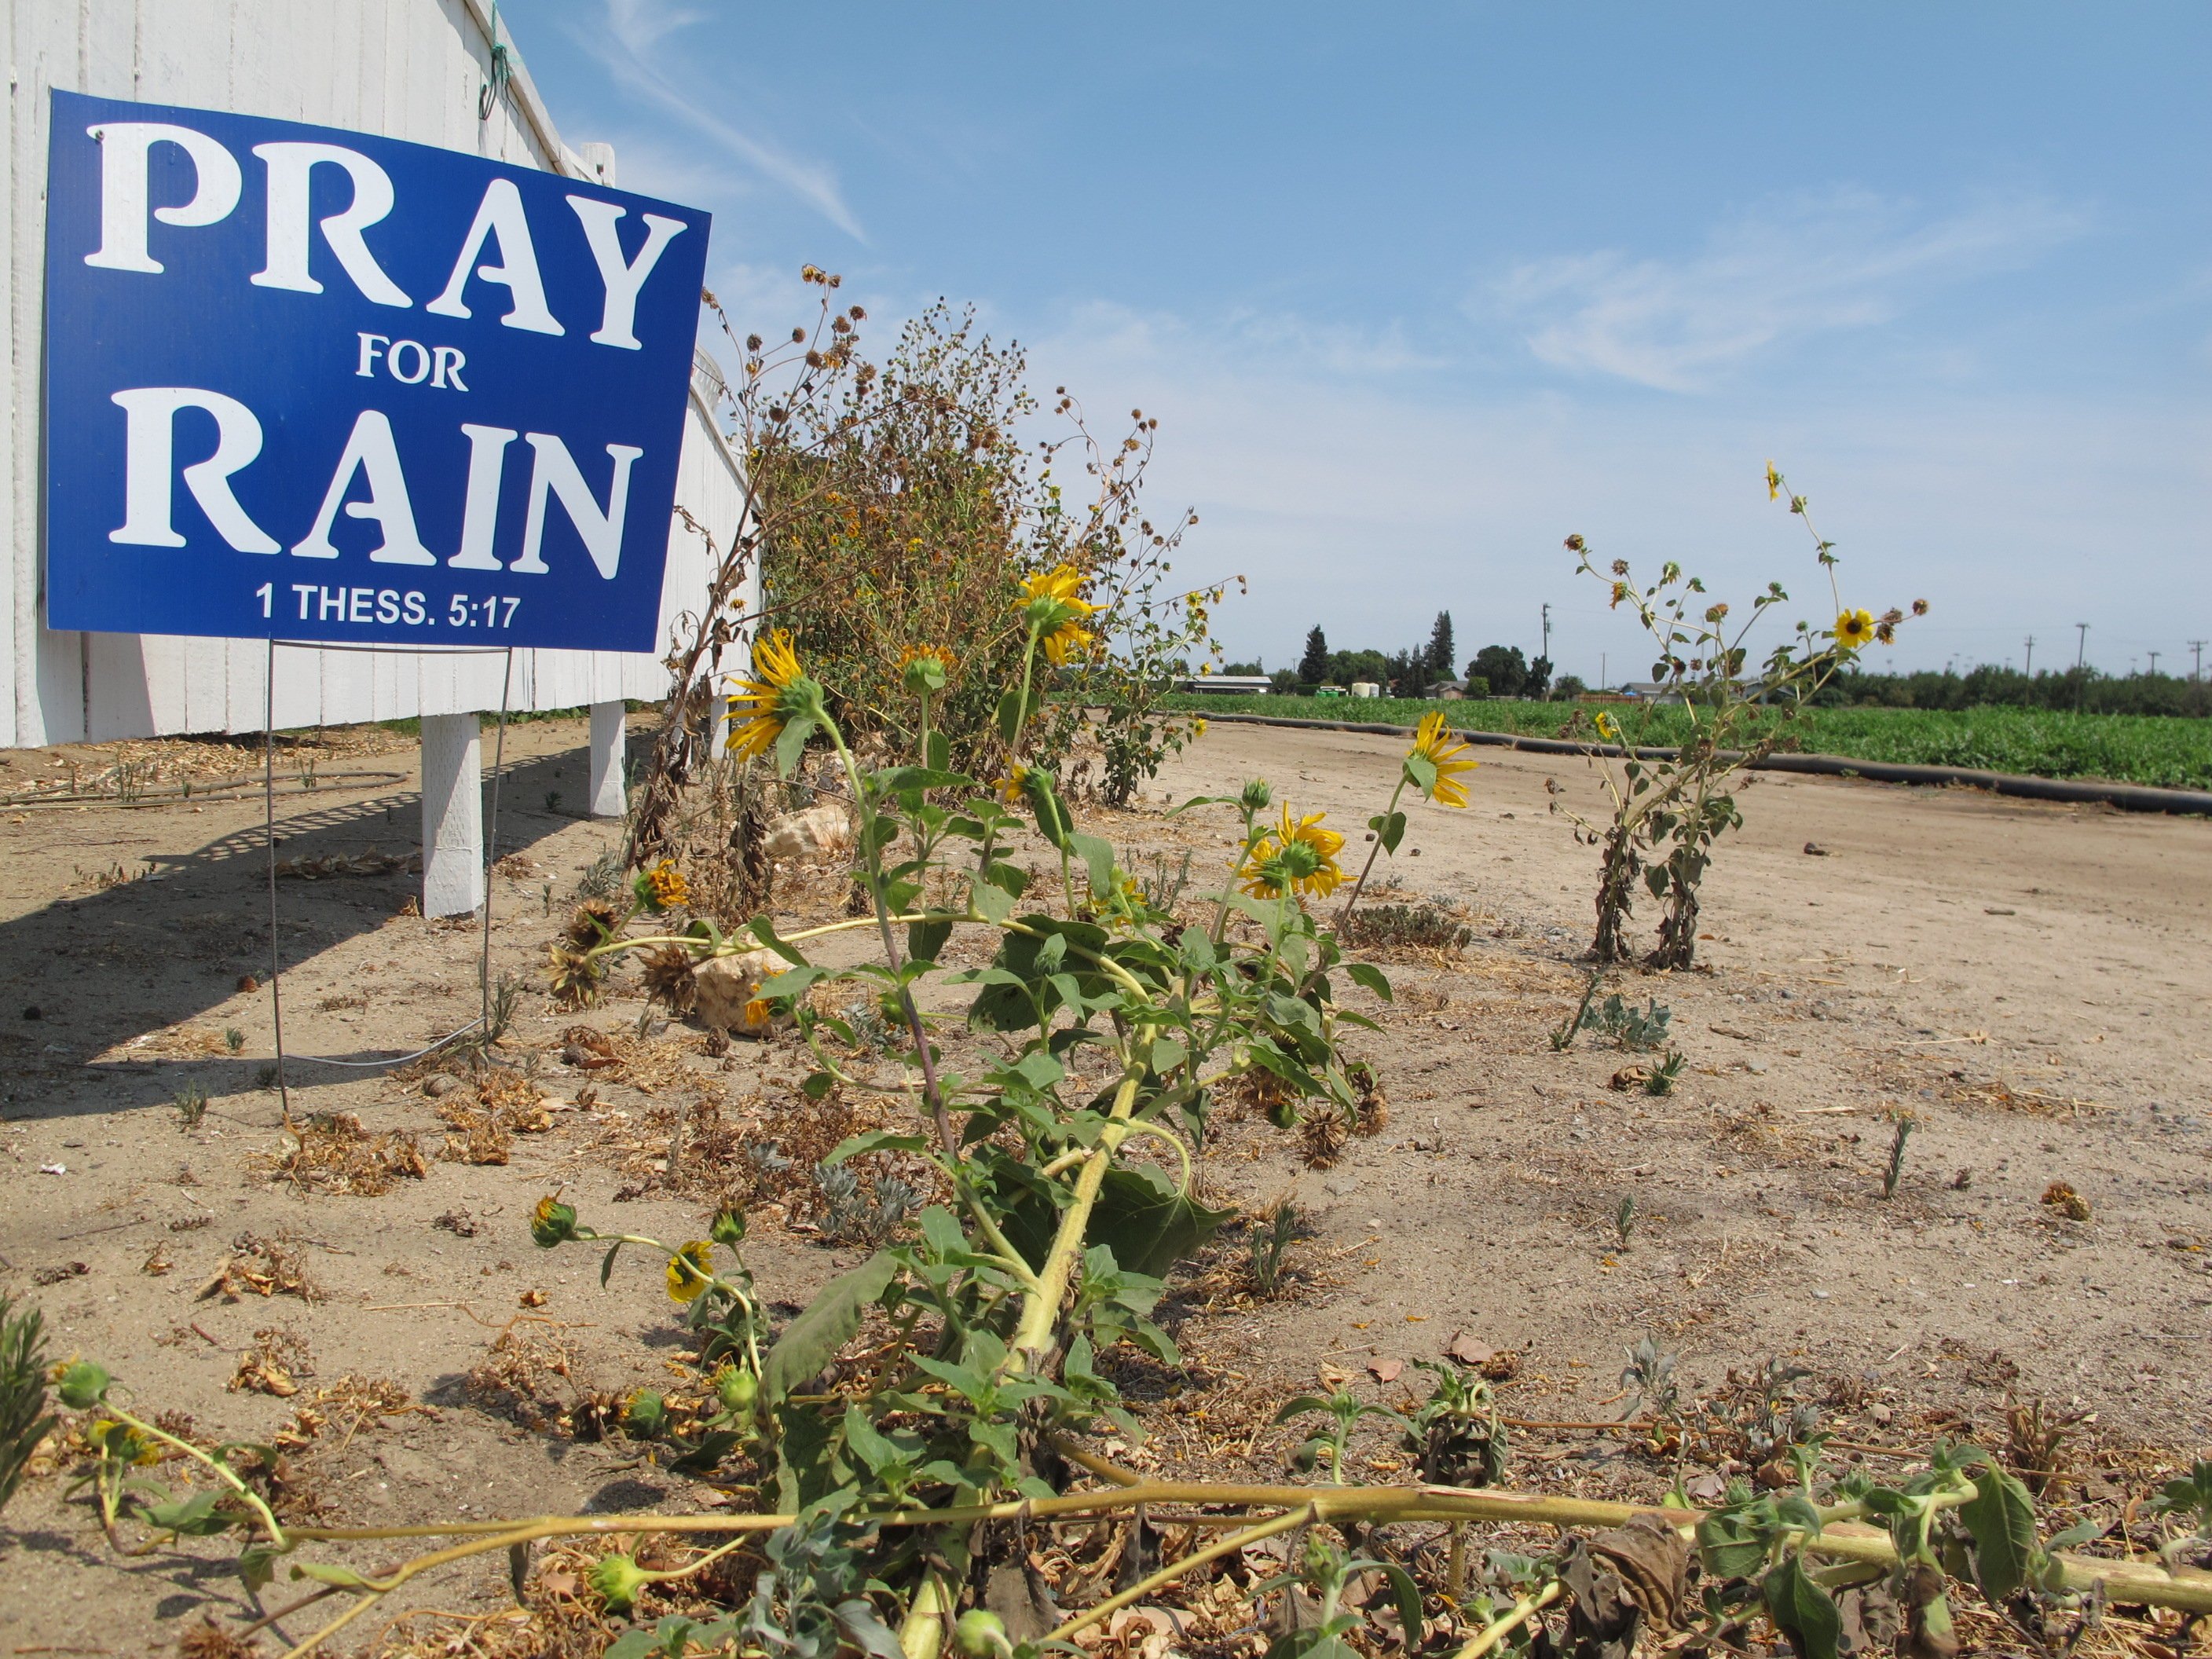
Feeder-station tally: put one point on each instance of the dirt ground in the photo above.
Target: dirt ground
(2028, 982)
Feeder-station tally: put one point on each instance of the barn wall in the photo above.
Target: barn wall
(407, 68)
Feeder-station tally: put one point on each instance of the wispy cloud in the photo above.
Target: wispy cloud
(639, 29)
(1794, 267)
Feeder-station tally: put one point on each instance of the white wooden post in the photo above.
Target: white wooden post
(607, 736)
(453, 814)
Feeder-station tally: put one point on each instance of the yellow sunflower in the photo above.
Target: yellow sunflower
(925, 668)
(1854, 628)
(666, 886)
(1297, 855)
(1443, 751)
(1051, 600)
(1773, 482)
(776, 690)
(1010, 786)
(689, 1269)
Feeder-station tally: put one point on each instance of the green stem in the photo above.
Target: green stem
(1168, 1575)
(1343, 916)
(1498, 1629)
(1041, 1306)
(268, 1516)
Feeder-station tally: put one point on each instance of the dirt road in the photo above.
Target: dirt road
(2028, 982)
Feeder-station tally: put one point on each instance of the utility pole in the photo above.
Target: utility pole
(2154, 661)
(1601, 684)
(2030, 669)
(2081, 644)
(1547, 649)
(2197, 650)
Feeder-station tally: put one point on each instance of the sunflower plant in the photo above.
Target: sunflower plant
(1064, 1148)
(1671, 805)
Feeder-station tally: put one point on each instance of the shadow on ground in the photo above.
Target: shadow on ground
(82, 976)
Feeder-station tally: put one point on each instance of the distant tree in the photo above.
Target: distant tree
(1539, 683)
(1440, 651)
(1346, 667)
(1313, 667)
(1254, 667)
(1411, 674)
(1477, 687)
(1570, 687)
(1503, 667)
(1286, 680)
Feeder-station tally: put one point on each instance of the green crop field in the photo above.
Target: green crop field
(2173, 753)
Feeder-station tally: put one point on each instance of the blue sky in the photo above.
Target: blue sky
(1415, 291)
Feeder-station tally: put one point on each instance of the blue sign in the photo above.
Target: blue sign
(313, 385)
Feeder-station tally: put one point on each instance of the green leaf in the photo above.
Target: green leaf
(764, 931)
(1391, 827)
(257, 1567)
(1409, 1603)
(1802, 1608)
(325, 1573)
(791, 744)
(192, 1517)
(1373, 978)
(2002, 1517)
(1300, 1406)
(1731, 1543)
(937, 752)
(991, 902)
(925, 940)
(607, 1267)
(830, 1321)
(1420, 772)
(1097, 858)
(1010, 712)
(874, 1140)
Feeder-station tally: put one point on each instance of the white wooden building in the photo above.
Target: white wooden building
(417, 69)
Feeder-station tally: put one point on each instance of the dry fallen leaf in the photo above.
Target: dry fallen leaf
(532, 1299)
(1385, 1370)
(1464, 1348)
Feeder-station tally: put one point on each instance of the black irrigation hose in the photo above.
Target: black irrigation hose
(2128, 797)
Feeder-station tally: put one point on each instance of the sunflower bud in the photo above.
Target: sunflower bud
(82, 1384)
(617, 1579)
(981, 1634)
(645, 1415)
(728, 1227)
(738, 1388)
(552, 1222)
(1257, 797)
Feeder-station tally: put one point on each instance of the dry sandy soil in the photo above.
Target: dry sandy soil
(2028, 982)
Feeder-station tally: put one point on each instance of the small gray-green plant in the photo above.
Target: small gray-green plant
(850, 1217)
(1641, 1028)
(1327, 1571)
(1649, 1378)
(190, 1100)
(23, 1418)
(1455, 1433)
(1624, 1220)
(1426, 926)
(2189, 1498)
(1274, 1229)
(233, 1039)
(1161, 889)
(1667, 1072)
(603, 877)
(1896, 1169)
(1564, 1033)
(1326, 1446)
